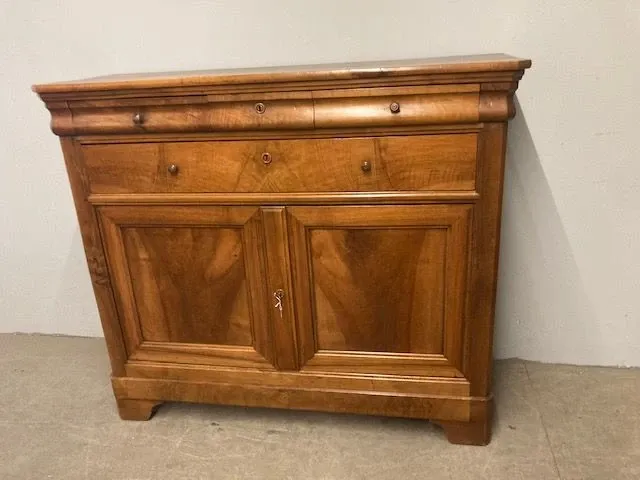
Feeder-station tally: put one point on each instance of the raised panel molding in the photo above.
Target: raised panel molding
(172, 319)
(345, 269)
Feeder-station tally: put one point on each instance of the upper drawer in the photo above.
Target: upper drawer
(332, 109)
(214, 116)
(426, 162)
(396, 110)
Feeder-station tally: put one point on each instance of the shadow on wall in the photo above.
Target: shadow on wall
(543, 311)
(74, 311)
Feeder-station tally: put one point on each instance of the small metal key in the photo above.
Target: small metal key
(279, 295)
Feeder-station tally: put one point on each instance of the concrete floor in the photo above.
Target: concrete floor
(58, 421)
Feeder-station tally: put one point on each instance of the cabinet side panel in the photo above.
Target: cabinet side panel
(483, 272)
(94, 252)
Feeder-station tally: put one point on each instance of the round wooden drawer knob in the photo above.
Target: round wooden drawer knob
(172, 169)
(394, 107)
(366, 166)
(266, 158)
(138, 118)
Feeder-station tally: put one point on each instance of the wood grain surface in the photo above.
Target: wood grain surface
(378, 281)
(468, 64)
(190, 276)
(305, 237)
(189, 284)
(379, 290)
(429, 162)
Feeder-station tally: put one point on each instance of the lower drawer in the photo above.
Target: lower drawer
(422, 162)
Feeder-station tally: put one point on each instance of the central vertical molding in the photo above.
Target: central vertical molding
(280, 285)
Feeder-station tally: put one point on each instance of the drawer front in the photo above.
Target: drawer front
(396, 110)
(427, 162)
(206, 117)
(250, 112)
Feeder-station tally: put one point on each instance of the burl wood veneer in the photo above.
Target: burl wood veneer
(321, 237)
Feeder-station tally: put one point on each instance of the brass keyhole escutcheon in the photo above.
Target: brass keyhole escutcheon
(172, 169)
(394, 107)
(366, 166)
(266, 158)
(260, 107)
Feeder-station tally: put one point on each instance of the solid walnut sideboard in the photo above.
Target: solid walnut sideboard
(319, 237)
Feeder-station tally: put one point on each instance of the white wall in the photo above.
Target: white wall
(569, 289)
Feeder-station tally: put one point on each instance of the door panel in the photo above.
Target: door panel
(378, 288)
(190, 283)
(363, 278)
(184, 278)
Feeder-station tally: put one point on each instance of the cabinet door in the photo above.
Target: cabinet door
(380, 289)
(190, 284)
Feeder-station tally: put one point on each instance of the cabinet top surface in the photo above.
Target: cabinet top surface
(458, 65)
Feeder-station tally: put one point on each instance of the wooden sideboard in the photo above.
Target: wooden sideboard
(321, 237)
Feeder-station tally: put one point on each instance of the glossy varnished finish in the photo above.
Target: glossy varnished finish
(190, 282)
(189, 276)
(379, 287)
(320, 237)
(381, 72)
(387, 297)
(426, 162)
